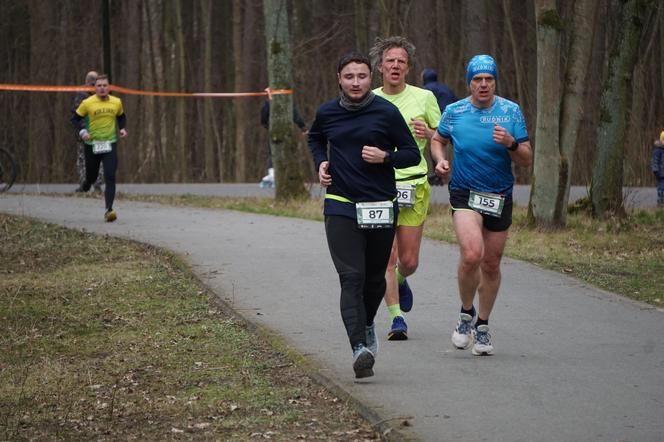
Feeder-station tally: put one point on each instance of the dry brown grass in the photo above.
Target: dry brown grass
(105, 339)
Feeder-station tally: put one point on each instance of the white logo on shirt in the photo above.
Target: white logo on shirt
(491, 119)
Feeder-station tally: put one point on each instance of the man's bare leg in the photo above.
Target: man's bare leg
(405, 256)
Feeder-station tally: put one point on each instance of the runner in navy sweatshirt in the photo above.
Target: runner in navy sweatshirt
(367, 138)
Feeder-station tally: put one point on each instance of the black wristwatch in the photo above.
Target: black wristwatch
(388, 157)
(513, 147)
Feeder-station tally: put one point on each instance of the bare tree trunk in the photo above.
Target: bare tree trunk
(128, 73)
(288, 173)
(616, 102)
(386, 14)
(516, 59)
(254, 79)
(361, 25)
(149, 136)
(156, 32)
(661, 52)
(240, 114)
(546, 168)
(180, 125)
(208, 115)
(476, 21)
(61, 127)
(226, 149)
(39, 128)
(583, 27)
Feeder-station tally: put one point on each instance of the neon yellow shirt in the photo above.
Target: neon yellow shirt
(415, 102)
(100, 117)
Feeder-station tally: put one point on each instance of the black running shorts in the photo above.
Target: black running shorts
(459, 201)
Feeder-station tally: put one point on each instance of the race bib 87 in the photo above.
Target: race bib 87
(375, 215)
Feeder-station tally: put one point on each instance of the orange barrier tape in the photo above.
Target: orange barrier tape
(32, 88)
(123, 90)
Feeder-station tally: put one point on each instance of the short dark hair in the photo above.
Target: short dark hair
(102, 77)
(353, 57)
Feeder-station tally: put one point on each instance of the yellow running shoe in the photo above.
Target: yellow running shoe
(110, 216)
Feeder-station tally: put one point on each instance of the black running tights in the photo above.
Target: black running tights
(360, 257)
(110, 161)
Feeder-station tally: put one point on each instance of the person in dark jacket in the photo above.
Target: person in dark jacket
(444, 96)
(657, 167)
(268, 180)
(367, 138)
(90, 79)
(442, 92)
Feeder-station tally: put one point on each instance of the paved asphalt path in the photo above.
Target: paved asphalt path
(634, 196)
(572, 363)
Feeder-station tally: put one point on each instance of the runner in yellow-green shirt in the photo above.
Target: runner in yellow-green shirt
(393, 57)
(97, 120)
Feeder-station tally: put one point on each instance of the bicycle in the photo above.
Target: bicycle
(8, 169)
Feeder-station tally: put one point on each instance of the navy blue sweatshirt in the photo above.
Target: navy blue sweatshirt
(379, 124)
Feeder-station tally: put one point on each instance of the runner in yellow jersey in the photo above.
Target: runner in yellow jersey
(393, 57)
(97, 120)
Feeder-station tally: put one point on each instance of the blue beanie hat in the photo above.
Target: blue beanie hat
(481, 64)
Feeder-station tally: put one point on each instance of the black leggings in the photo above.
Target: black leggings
(360, 257)
(110, 161)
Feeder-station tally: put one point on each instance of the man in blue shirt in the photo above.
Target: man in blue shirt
(488, 133)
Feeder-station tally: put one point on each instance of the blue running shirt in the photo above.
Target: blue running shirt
(479, 163)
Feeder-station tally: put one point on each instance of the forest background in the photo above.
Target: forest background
(220, 46)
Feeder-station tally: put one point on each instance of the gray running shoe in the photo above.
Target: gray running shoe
(372, 339)
(363, 361)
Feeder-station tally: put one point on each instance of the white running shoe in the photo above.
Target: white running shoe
(268, 180)
(462, 338)
(482, 346)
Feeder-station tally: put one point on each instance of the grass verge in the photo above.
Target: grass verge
(622, 256)
(105, 339)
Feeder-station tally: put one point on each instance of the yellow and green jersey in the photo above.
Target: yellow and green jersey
(100, 117)
(421, 104)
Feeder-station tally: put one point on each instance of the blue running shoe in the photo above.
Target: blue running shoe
(405, 297)
(371, 338)
(363, 361)
(399, 330)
